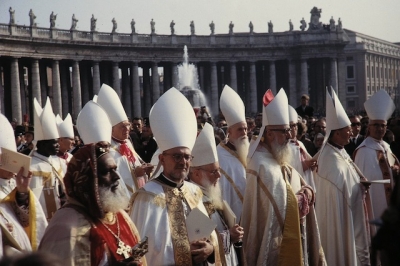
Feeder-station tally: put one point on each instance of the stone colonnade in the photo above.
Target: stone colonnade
(71, 83)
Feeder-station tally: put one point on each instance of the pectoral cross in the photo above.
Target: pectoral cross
(124, 250)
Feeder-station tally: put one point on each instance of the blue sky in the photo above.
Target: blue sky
(380, 19)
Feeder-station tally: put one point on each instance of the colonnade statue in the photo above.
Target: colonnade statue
(93, 23)
(12, 16)
(172, 26)
(270, 27)
(231, 25)
(290, 25)
(32, 18)
(332, 26)
(53, 19)
(339, 25)
(192, 31)
(251, 27)
(74, 22)
(303, 25)
(114, 28)
(212, 27)
(152, 26)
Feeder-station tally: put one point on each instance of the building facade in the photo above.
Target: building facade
(69, 66)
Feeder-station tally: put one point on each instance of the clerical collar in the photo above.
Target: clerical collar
(230, 145)
(335, 145)
(163, 179)
(118, 140)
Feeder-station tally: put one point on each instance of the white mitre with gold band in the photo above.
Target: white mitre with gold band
(93, 124)
(205, 150)
(293, 116)
(7, 139)
(109, 100)
(65, 128)
(173, 121)
(275, 112)
(380, 106)
(232, 106)
(44, 121)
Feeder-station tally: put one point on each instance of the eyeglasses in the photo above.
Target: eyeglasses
(355, 124)
(379, 125)
(179, 156)
(293, 125)
(213, 172)
(282, 130)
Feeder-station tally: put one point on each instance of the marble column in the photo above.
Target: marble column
(76, 88)
(214, 89)
(126, 92)
(115, 78)
(85, 75)
(146, 90)
(96, 77)
(25, 104)
(43, 81)
(65, 78)
(272, 77)
(135, 84)
(304, 77)
(55, 74)
(175, 75)
(233, 76)
(253, 88)
(334, 74)
(155, 82)
(293, 97)
(36, 93)
(15, 91)
(342, 81)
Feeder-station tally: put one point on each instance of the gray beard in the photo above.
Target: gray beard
(113, 201)
(213, 192)
(281, 153)
(242, 148)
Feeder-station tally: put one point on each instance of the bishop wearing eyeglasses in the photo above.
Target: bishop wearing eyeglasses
(374, 156)
(161, 207)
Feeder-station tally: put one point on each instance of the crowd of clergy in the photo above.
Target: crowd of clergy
(283, 188)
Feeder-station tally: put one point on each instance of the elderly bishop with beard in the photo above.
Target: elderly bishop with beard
(92, 228)
(161, 207)
(232, 153)
(277, 199)
(205, 173)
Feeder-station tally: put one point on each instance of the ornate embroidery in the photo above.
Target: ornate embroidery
(177, 223)
(209, 207)
(159, 201)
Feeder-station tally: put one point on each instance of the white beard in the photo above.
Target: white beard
(113, 201)
(242, 148)
(281, 153)
(213, 192)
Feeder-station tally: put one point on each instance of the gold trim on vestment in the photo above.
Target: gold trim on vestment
(230, 180)
(232, 153)
(177, 224)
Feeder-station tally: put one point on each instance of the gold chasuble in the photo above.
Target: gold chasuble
(291, 251)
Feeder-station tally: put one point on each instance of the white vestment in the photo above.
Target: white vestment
(367, 160)
(296, 163)
(235, 171)
(149, 213)
(339, 208)
(47, 181)
(263, 234)
(124, 168)
(64, 162)
(6, 186)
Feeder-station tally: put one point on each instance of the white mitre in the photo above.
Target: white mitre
(275, 112)
(109, 100)
(65, 128)
(380, 106)
(7, 139)
(293, 116)
(93, 124)
(336, 117)
(173, 121)
(44, 122)
(232, 106)
(205, 150)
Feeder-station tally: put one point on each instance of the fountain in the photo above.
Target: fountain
(189, 82)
